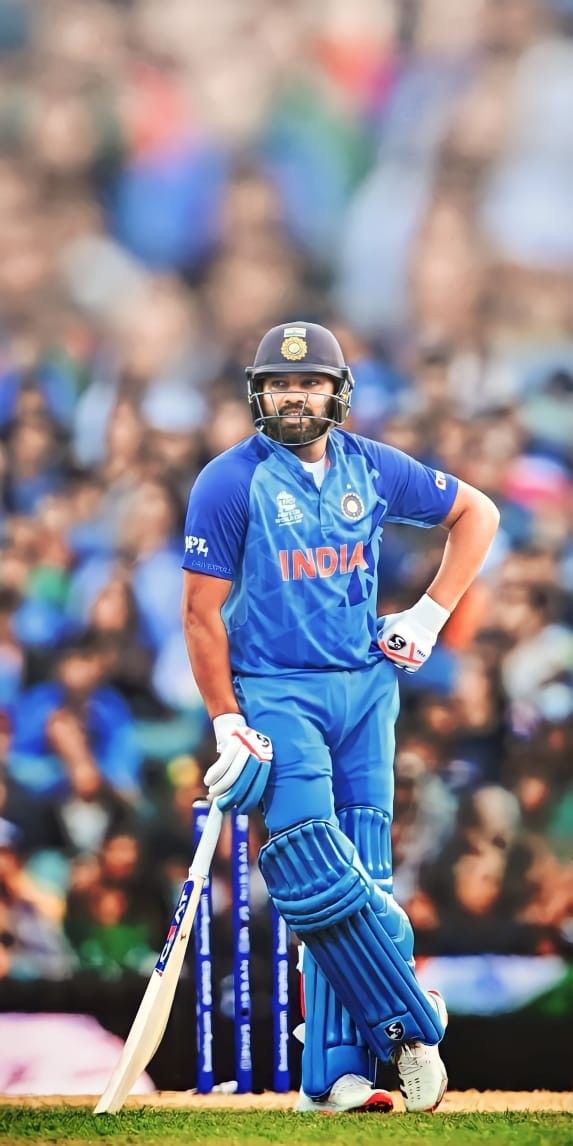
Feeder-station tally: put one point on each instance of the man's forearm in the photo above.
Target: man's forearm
(467, 546)
(208, 649)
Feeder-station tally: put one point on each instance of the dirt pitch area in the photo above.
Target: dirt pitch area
(462, 1102)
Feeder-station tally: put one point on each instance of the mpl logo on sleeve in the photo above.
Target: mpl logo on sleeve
(288, 512)
(197, 545)
(440, 479)
(175, 928)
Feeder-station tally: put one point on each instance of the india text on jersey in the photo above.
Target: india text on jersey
(323, 561)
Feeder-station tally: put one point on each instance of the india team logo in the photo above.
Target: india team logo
(352, 506)
(294, 345)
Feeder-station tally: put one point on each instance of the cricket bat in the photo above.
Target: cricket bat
(150, 1021)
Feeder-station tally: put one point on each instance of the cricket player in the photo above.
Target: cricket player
(300, 678)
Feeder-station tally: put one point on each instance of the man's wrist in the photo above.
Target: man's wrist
(429, 614)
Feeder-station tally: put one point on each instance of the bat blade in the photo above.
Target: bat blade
(151, 1019)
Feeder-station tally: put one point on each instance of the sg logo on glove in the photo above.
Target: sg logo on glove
(406, 643)
(396, 643)
(407, 638)
(263, 742)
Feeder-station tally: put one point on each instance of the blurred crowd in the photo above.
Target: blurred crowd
(175, 178)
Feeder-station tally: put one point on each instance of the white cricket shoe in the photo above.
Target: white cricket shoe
(423, 1078)
(351, 1093)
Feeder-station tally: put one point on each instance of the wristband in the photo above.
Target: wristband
(429, 614)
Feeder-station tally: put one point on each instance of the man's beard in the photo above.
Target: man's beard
(301, 426)
(297, 432)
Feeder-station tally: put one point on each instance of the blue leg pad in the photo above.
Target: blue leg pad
(333, 1045)
(325, 894)
(369, 829)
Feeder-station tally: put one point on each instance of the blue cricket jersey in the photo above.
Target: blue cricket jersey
(304, 561)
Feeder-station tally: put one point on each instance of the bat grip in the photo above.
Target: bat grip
(203, 857)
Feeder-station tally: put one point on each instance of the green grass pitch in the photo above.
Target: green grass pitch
(79, 1127)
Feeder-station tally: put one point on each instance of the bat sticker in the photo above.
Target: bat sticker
(175, 926)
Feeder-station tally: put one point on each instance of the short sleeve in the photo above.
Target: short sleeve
(217, 519)
(416, 494)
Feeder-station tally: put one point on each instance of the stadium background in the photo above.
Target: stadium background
(172, 182)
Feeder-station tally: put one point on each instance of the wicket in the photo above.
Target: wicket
(241, 969)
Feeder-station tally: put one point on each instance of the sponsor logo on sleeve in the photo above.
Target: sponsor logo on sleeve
(196, 545)
(440, 479)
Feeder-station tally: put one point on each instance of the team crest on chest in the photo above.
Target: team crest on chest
(352, 506)
(288, 512)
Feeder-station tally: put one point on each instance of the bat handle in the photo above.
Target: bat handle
(203, 857)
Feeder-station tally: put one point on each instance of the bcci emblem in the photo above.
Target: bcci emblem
(294, 346)
(352, 506)
(294, 349)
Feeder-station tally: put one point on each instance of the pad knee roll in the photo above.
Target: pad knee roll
(314, 876)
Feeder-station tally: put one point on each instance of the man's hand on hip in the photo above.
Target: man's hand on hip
(408, 638)
(239, 775)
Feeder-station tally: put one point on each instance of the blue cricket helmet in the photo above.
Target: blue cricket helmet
(300, 348)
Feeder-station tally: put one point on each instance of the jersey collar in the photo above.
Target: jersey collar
(289, 458)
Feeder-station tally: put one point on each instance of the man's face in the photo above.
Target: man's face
(298, 406)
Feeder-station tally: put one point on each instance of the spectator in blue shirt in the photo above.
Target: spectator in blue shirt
(76, 721)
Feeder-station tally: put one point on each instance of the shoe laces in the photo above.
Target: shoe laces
(412, 1057)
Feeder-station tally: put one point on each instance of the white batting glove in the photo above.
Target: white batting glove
(224, 725)
(408, 638)
(239, 775)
